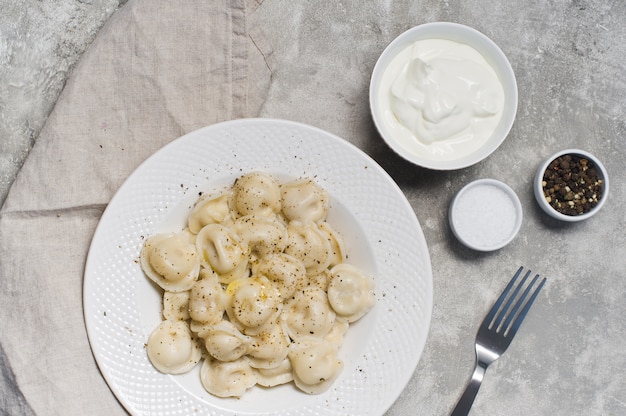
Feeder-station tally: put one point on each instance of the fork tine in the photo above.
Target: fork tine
(519, 302)
(489, 319)
(505, 312)
(520, 317)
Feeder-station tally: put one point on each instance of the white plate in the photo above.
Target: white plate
(381, 232)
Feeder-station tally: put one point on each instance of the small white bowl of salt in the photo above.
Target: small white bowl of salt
(485, 215)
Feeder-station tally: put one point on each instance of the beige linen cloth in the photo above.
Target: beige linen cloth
(157, 70)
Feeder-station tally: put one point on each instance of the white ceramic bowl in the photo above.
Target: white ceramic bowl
(538, 186)
(485, 215)
(387, 125)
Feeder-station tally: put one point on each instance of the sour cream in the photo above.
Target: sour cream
(441, 97)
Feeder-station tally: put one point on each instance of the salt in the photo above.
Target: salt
(486, 215)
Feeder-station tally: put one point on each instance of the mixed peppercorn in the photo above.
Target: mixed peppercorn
(572, 184)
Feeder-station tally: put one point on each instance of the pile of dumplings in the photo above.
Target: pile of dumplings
(256, 288)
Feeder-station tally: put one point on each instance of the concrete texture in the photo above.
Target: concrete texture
(570, 60)
(40, 42)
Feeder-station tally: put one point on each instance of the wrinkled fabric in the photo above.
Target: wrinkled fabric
(156, 71)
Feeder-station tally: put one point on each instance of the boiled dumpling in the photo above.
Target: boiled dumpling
(303, 200)
(337, 250)
(172, 349)
(176, 305)
(315, 364)
(210, 209)
(306, 243)
(227, 379)
(225, 343)
(308, 313)
(270, 377)
(252, 303)
(263, 235)
(268, 348)
(286, 272)
(320, 280)
(206, 299)
(256, 193)
(223, 251)
(170, 261)
(350, 292)
(337, 332)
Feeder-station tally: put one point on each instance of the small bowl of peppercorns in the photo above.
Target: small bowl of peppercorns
(571, 185)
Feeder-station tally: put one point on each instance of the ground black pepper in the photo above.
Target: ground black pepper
(572, 184)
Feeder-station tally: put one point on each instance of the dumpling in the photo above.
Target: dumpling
(350, 292)
(320, 280)
(337, 250)
(286, 272)
(337, 332)
(172, 349)
(256, 193)
(225, 343)
(256, 285)
(308, 313)
(224, 251)
(263, 235)
(306, 243)
(303, 200)
(210, 209)
(206, 299)
(275, 376)
(176, 305)
(170, 261)
(269, 348)
(315, 364)
(252, 303)
(227, 379)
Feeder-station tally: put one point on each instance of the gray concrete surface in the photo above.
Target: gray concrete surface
(570, 61)
(569, 58)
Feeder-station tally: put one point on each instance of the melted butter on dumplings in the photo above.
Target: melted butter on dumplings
(258, 286)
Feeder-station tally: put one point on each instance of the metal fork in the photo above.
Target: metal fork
(497, 331)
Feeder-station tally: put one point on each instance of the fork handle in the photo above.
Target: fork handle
(464, 404)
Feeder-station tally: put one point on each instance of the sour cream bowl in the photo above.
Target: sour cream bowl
(432, 113)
